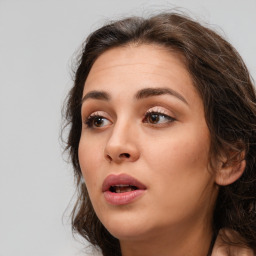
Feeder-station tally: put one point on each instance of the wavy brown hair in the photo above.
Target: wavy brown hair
(225, 86)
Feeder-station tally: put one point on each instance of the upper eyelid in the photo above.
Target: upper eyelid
(110, 114)
(160, 110)
(97, 113)
(150, 110)
(156, 111)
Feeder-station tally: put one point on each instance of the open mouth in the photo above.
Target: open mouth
(122, 188)
(121, 183)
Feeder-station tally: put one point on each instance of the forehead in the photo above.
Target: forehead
(133, 67)
(150, 57)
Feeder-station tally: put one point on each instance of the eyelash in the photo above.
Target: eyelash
(89, 122)
(159, 114)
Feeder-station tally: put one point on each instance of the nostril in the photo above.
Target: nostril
(125, 155)
(109, 158)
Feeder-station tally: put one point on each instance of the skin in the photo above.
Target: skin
(222, 249)
(170, 157)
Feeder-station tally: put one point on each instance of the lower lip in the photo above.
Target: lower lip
(122, 198)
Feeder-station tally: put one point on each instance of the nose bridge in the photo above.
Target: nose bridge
(121, 144)
(121, 131)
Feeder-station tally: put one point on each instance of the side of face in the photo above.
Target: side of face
(142, 117)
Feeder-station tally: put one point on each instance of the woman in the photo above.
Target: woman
(162, 130)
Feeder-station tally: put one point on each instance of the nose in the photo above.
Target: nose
(122, 145)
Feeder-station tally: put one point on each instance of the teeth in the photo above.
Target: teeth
(122, 188)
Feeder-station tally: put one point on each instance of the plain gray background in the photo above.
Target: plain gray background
(37, 42)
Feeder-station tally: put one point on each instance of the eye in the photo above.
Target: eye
(157, 118)
(96, 121)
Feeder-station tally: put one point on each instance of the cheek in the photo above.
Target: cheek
(90, 159)
(184, 151)
(180, 173)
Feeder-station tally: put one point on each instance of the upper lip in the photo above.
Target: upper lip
(121, 179)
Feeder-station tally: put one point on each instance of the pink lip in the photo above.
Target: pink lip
(121, 198)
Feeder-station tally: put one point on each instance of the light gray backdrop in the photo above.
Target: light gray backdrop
(37, 41)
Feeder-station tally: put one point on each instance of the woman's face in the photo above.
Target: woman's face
(144, 144)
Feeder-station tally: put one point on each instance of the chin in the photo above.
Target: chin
(126, 227)
(128, 233)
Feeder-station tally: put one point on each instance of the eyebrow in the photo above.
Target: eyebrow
(150, 92)
(98, 95)
(141, 94)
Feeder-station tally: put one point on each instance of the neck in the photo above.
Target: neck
(175, 242)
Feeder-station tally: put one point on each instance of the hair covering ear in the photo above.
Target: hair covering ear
(227, 174)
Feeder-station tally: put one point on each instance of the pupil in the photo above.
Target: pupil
(154, 118)
(98, 121)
